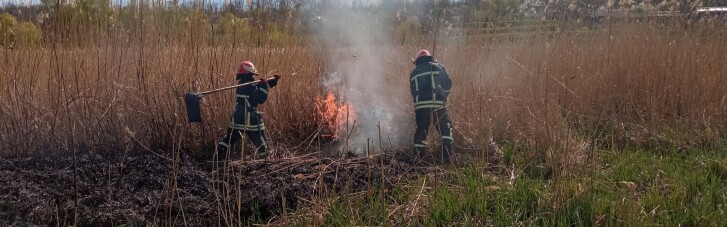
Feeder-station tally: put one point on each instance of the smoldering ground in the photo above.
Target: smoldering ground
(142, 188)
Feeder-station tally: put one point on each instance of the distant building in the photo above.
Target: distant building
(712, 12)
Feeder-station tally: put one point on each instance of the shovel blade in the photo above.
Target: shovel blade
(192, 102)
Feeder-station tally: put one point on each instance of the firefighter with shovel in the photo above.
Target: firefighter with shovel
(430, 84)
(245, 117)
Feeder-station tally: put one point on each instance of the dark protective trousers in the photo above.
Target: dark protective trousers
(252, 125)
(424, 118)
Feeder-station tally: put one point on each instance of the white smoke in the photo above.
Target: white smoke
(357, 42)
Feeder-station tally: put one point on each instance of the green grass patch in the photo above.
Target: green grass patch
(632, 187)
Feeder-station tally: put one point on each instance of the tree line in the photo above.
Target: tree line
(265, 22)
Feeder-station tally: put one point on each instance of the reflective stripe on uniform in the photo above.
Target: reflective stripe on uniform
(433, 103)
(224, 145)
(434, 84)
(447, 138)
(264, 90)
(449, 126)
(415, 78)
(246, 97)
(263, 144)
(245, 127)
(429, 102)
(430, 73)
(419, 145)
(247, 120)
(429, 106)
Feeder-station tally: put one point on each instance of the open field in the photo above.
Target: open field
(637, 85)
(619, 126)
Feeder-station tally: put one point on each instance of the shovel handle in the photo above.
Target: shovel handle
(231, 87)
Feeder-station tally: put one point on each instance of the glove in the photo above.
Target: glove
(274, 81)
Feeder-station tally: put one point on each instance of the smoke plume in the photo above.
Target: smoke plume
(357, 42)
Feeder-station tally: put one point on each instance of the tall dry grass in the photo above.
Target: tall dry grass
(628, 85)
(107, 97)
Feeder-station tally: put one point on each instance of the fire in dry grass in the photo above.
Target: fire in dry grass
(334, 113)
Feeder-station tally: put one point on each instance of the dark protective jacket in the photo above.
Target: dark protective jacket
(430, 84)
(245, 116)
(249, 97)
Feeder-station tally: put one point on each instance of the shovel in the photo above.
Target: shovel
(192, 100)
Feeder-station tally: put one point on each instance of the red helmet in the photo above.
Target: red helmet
(422, 53)
(247, 67)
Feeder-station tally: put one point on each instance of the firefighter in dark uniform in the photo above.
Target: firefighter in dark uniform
(430, 85)
(245, 118)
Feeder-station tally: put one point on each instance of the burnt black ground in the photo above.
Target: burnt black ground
(140, 188)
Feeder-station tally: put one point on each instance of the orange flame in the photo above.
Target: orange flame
(334, 114)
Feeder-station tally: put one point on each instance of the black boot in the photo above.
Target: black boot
(417, 155)
(263, 152)
(221, 153)
(420, 152)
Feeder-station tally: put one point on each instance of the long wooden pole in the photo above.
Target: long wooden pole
(231, 87)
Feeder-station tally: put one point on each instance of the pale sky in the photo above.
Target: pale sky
(115, 2)
(122, 2)
(24, 2)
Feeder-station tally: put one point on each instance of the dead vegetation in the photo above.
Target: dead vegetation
(140, 188)
(554, 98)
